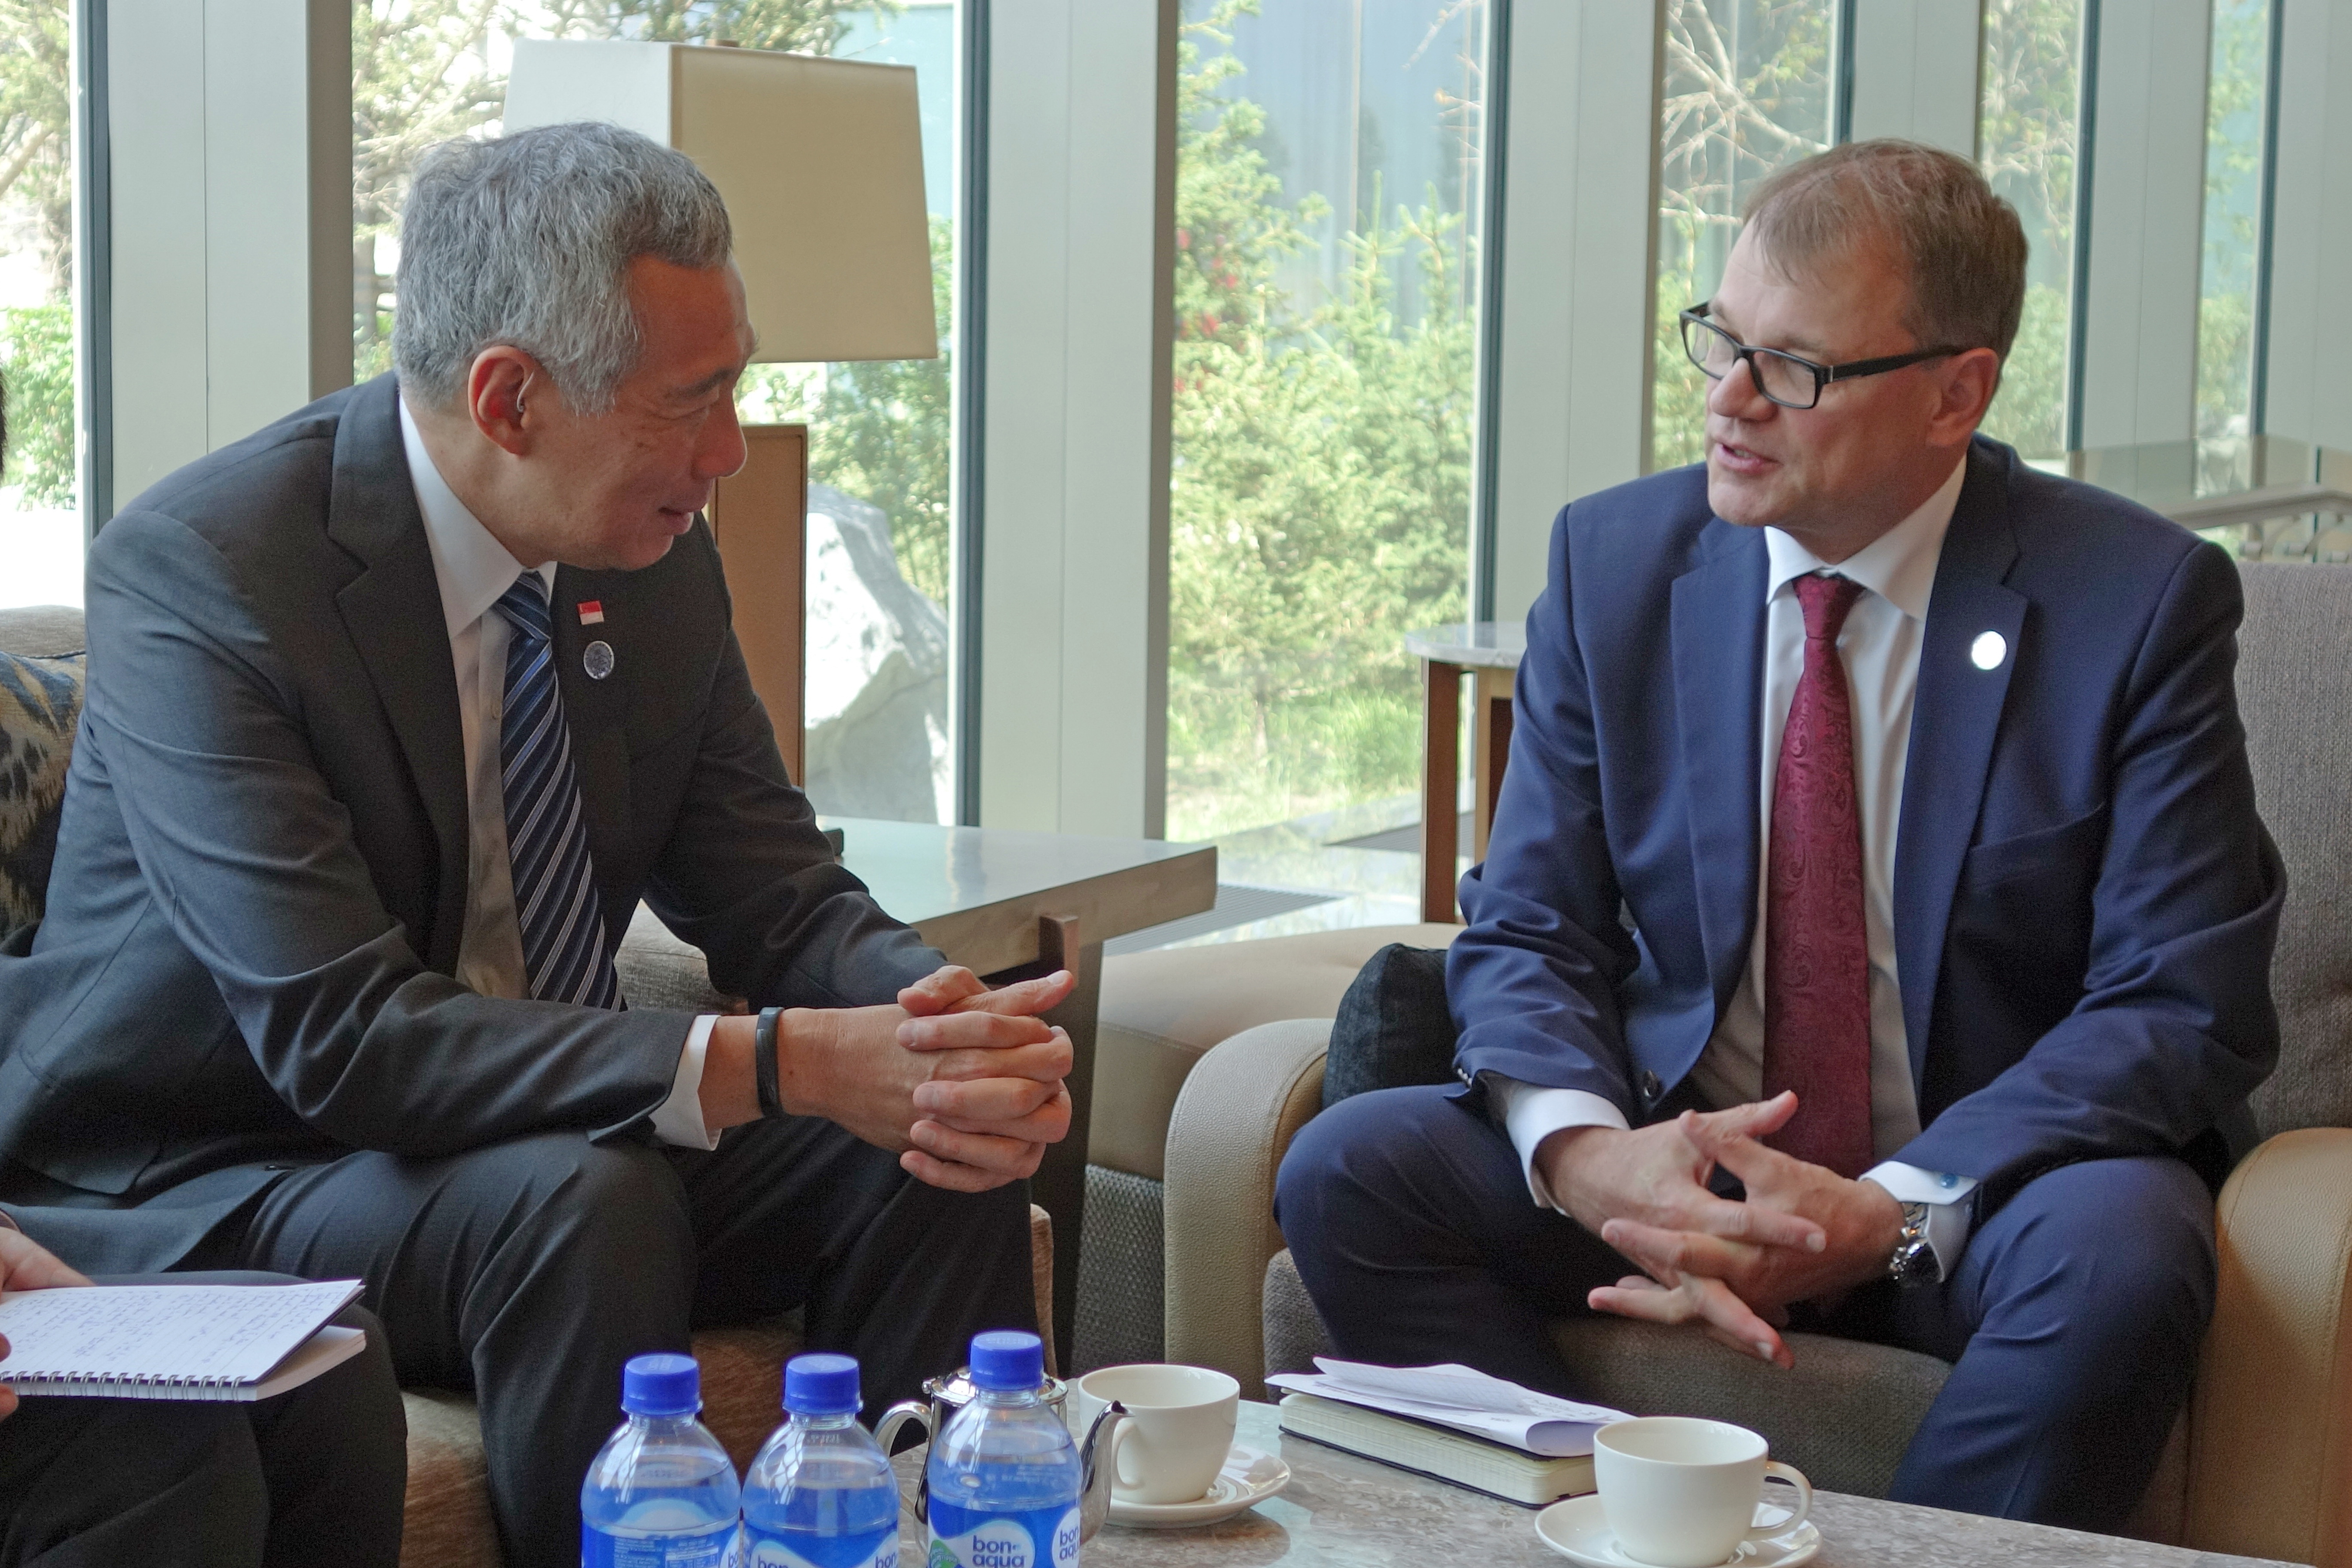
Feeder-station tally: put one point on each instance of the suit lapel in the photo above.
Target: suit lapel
(392, 612)
(1955, 720)
(1718, 643)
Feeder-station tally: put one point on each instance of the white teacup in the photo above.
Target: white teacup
(1180, 1427)
(1681, 1492)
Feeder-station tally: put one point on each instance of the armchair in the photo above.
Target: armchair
(2260, 1463)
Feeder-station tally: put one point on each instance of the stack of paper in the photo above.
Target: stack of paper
(1462, 1398)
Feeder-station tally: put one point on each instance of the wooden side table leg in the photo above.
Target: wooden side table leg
(1059, 1187)
(1441, 770)
(1490, 749)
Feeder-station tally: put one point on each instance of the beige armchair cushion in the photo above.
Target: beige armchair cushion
(1163, 1010)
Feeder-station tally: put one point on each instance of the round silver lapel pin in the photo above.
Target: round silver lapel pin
(1985, 652)
(597, 658)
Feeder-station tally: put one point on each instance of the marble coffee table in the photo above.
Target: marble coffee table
(1340, 1512)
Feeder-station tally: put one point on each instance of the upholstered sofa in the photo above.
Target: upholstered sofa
(2260, 1463)
(447, 1519)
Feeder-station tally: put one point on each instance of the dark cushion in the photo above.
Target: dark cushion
(1393, 1028)
(40, 703)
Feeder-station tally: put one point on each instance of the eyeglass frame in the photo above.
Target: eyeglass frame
(1697, 315)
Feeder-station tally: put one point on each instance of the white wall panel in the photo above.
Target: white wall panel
(2147, 218)
(1068, 563)
(1579, 227)
(2311, 326)
(1914, 71)
(231, 176)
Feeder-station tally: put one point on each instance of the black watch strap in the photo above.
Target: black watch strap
(763, 1061)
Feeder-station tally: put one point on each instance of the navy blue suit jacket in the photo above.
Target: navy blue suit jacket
(2084, 899)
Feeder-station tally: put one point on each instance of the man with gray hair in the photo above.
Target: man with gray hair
(396, 709)
(1875, 936)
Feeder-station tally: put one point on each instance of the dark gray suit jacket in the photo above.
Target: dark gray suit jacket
(260, 878)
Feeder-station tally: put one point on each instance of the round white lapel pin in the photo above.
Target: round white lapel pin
(1988, 651)
(597, 658)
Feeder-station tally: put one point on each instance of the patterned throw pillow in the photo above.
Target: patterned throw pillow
(40, 703)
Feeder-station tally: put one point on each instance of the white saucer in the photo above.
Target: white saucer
(1248, 1480)
(1577, 1530)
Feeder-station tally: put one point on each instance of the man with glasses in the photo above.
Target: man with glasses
(1875, 932)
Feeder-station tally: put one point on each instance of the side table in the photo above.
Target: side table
(1488, 651)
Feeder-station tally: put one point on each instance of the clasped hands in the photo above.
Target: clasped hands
(1803, 1233)
(963, 1083)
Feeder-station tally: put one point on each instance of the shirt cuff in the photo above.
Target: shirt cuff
(1531, 1114)
(678, 1118)
(1946, 1195)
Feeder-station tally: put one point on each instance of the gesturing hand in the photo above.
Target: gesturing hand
(27, 1265)
(1732, 1287)
(1656, 1177)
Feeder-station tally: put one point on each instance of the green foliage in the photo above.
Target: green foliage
(881, 432)
(2234, 160)
(37, 364)
(1747, 92)
(2026, 140)
(1320, 489)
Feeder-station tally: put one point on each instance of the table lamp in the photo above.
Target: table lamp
(821, 163)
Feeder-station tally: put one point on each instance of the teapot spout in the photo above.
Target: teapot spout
(1099, 1467)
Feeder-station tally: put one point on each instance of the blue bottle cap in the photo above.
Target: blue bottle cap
(661, 1386)
(821, 1384)
(1006, 1360)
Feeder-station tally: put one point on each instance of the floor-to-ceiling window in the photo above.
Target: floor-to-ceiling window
(40, 522)
(2234, 101)
(2028, 137)
(880, 435)
(1329, 182)
(1747, 92)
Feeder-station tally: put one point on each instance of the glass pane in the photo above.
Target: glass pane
(2033, 69)
(40, 520)
(1747, 91)
(1328, 187)
(880, 434)
(2233, 195)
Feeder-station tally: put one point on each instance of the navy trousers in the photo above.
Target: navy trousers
(2073, 1320)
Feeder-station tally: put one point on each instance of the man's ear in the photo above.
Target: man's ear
(1969, 379)
(499, 391)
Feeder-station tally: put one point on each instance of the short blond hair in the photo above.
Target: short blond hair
(1962, 244)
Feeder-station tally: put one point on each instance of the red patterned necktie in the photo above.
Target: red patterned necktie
(1816, 949)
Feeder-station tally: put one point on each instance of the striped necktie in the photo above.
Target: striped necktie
(564, 945)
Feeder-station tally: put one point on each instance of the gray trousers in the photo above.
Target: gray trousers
(529, 1271)
(313, 1476)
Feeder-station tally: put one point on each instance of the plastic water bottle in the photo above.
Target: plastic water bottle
(662, 1492)
(820, 1493)
(1003, 1477)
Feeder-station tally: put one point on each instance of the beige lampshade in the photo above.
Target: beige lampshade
(821, 162)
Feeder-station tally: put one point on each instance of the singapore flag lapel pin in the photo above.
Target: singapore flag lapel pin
(591, 612)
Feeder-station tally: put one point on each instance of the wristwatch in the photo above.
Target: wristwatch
(1914, 1262)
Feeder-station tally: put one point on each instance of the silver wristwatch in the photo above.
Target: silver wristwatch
(1913, 1261)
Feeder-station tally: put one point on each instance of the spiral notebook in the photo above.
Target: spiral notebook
(175, 1342)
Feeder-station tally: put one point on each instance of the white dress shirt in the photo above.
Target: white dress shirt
(474, 571)
(1879, 646)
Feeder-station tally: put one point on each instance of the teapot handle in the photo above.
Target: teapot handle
(897, 1416)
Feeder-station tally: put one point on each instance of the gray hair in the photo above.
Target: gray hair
(527, 239)
(1963, 245)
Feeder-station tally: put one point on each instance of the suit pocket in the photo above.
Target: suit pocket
(2067, 854)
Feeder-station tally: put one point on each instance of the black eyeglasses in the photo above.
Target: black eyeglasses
(1783, 378)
